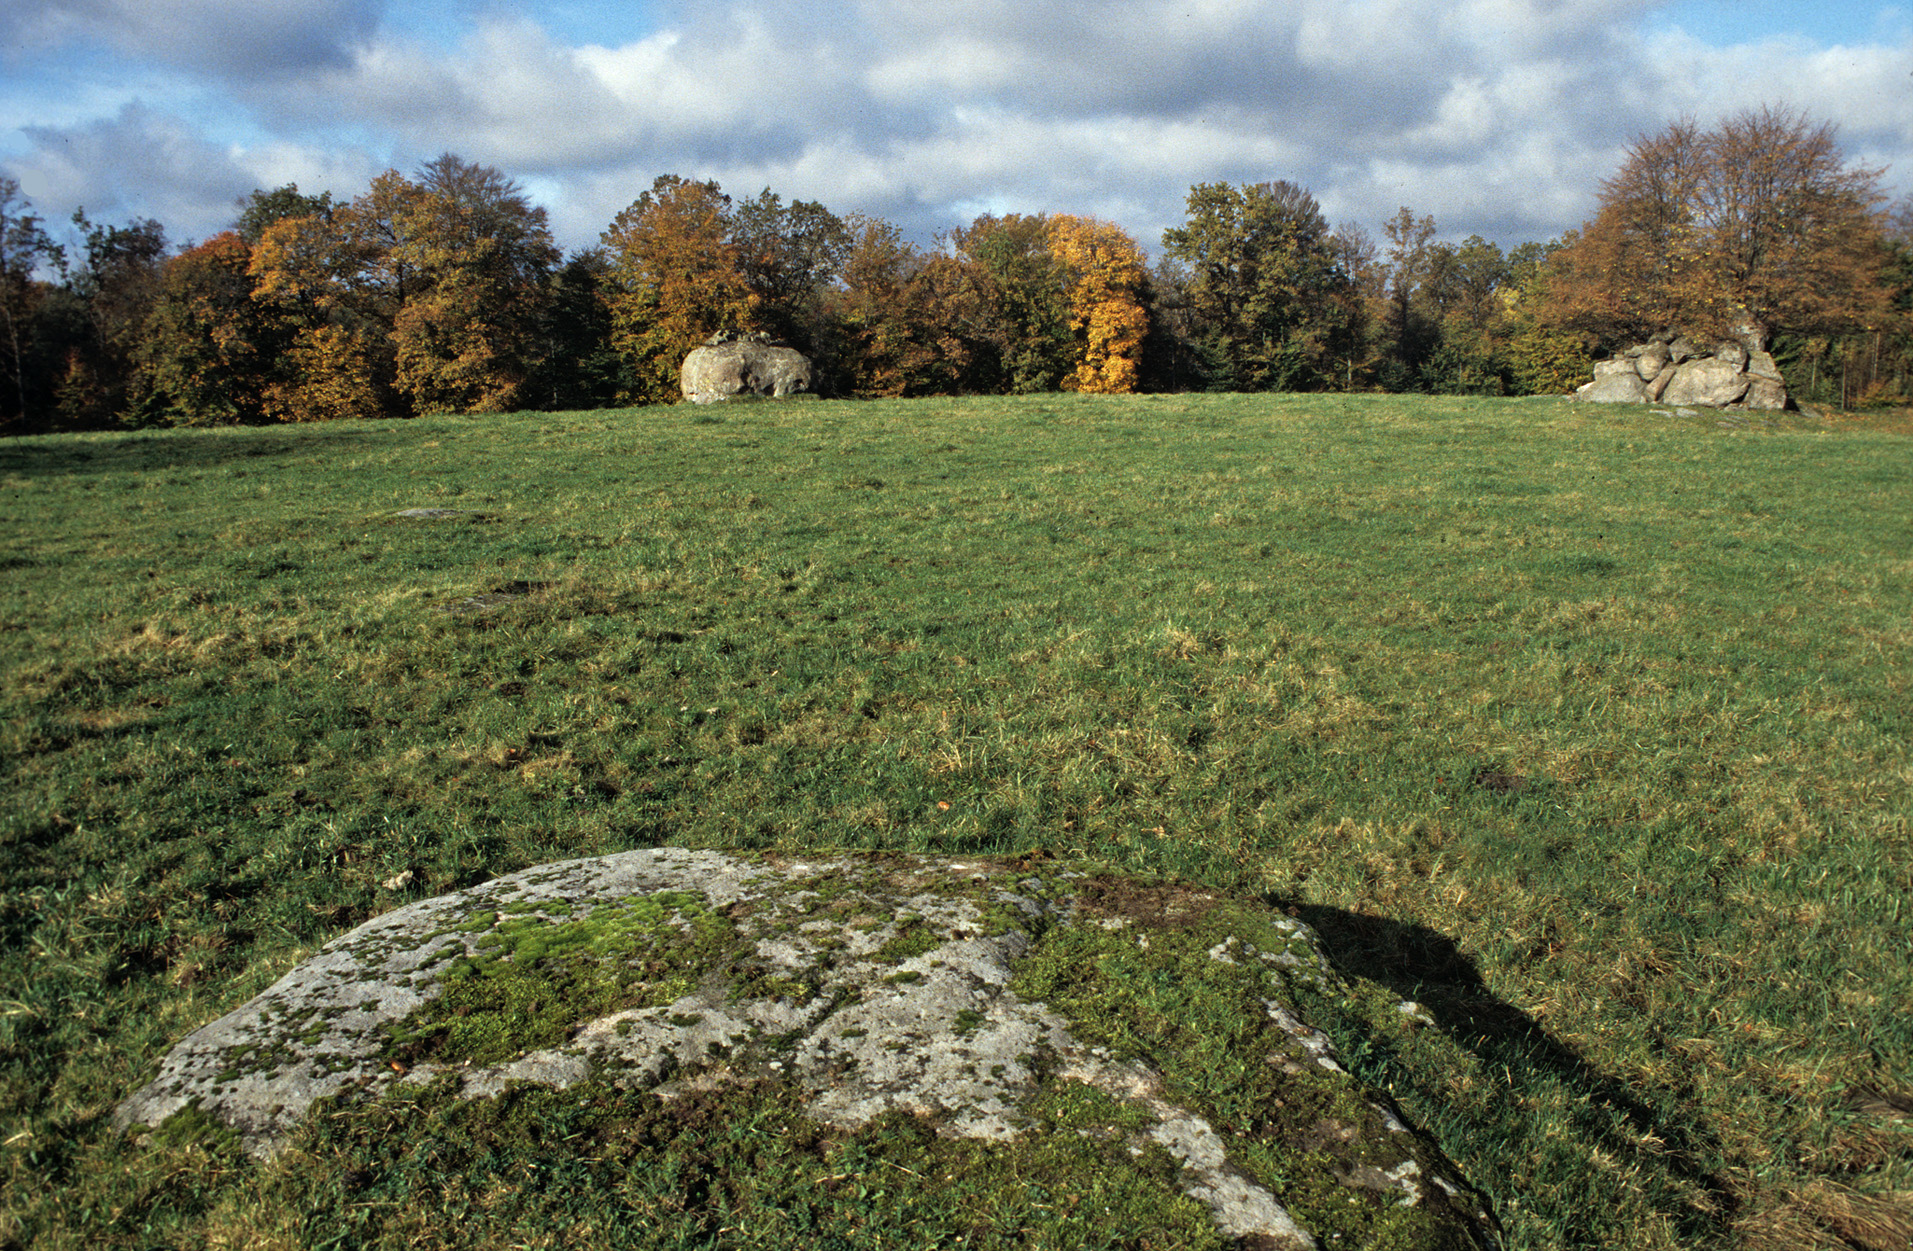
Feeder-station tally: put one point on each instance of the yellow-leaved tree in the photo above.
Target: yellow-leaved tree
(319, 275)
(1105, 274)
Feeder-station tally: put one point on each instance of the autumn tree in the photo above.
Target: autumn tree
(1868, 366)
(1104, 284)
(476, 254)
(868, 309)
(1756, 227)
(207, 349)
(952, 330)
(330, 280)
(1264, 284)
(1542, 358)
(675, 281)
(914, 323)
(1892, 371)
(212, 352)
(1467, 283)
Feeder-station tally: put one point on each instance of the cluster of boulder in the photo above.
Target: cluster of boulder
(1672, 369)
(734, 363)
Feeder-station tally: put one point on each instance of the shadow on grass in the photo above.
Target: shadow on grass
(1420, 964)
(141, 452)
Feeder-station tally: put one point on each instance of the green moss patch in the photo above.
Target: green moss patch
(534, 978)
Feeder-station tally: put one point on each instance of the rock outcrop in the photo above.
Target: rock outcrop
(1671, 369)
(992, 1001)
(733, 364)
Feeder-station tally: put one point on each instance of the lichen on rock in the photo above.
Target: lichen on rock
(973, 995)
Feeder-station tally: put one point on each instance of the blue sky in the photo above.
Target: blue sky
(1496, 117)
(1831, 21)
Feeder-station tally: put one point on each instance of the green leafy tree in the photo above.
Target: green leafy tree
(1174, 351)
(1542, 359)
(262, 208)
(790, 256)
(578, 366)
(1365, 299)
(1024, 321)
(1462, 294)
(114, 287)
(1411, 328)
(1264, 285)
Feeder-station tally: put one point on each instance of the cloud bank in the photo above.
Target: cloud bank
(1498, 117)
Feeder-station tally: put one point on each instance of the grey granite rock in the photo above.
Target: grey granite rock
(733, 365)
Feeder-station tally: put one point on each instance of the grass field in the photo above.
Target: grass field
(1587, 727)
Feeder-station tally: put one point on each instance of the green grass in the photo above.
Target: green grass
(1587, 728)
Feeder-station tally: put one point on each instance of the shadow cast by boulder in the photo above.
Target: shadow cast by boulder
(1427, 967)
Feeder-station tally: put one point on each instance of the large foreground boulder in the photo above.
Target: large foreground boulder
(1050, 1025)
(731, 365)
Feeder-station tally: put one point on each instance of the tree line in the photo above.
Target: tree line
(445, 292)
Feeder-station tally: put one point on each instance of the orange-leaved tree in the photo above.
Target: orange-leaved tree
(1105, 278)
(1756, 227)
(674, 281)
(910, 323)
(867, 309)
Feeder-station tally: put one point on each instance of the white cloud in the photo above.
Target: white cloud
(135, 164)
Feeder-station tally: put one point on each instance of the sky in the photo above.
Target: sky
(1495, 117)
